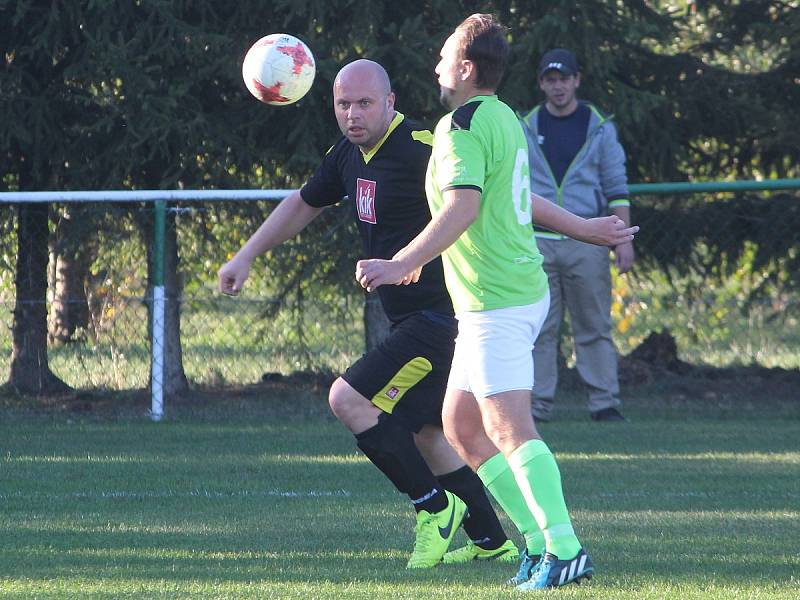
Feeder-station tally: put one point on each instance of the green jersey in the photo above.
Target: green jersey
(495, 263)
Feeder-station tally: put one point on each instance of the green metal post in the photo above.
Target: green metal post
(685, 187)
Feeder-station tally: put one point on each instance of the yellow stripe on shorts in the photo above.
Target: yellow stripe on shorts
(409, 375)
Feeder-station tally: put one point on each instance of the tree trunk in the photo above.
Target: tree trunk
(71, 257)
(174, 376)
(376, 324)
(30, 372)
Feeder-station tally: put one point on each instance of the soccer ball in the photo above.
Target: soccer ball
(278, 69)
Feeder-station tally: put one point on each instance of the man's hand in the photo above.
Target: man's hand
(608, 231)
(232, 275)
(376, 272)
(624, 257)
(412, 277)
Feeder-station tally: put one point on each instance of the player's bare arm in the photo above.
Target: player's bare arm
(624, 255)
(601, 231)
(288, 219)
(459, 212)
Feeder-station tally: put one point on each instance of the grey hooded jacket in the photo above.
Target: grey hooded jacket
(595, 180)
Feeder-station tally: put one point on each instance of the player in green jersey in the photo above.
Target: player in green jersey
(479, 193)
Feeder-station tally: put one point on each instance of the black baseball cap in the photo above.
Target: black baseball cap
(561, 60)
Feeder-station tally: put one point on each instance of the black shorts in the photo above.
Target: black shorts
(406, 374)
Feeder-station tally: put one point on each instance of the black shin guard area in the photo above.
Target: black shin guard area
(481, 525)
(391, 448)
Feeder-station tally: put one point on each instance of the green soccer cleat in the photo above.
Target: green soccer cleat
(435, 531)
(506, 553)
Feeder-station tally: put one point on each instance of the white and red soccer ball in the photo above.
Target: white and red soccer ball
(279, 69)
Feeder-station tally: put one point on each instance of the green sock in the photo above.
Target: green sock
(496, 475)
(537, 474)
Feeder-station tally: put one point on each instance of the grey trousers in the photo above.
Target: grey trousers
(580, 281)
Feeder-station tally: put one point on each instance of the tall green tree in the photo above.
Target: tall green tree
(148, 94)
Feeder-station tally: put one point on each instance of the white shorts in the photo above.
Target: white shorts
(494, 349)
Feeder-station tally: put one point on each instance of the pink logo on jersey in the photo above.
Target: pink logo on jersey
(365, 200)
(392, 392)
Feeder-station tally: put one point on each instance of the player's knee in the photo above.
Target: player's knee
(455, 434)
(346, 403)
(339, 398)
(471, 444)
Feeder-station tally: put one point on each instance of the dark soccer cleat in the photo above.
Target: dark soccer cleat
(553, 572)
(527, 563)
(609, 415)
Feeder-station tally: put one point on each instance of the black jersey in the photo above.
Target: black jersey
(386, 189)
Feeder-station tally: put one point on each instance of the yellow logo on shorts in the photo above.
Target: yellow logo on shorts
(409, 375)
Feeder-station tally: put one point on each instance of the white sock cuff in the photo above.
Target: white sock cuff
(557, 531)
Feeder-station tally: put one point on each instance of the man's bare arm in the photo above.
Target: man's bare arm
(286, 221)
(602, 231)
(459, 211)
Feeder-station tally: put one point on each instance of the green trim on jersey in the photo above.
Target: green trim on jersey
(495, 263)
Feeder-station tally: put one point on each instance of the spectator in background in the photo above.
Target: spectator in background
(577, 162)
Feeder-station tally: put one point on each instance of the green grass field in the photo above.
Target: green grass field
(263, 496)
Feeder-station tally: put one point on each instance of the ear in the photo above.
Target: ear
(390, 101)
(578, 80)
(467, 69)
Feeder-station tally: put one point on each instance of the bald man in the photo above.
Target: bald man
(391, 398)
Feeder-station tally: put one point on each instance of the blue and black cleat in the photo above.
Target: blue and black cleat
(553, 572)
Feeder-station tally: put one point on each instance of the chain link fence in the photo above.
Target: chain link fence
(718, 272)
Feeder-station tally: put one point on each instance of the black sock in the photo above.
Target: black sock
(481, 525)
(391, 448)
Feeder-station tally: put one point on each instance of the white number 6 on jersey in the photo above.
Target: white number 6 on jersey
(521, 188)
